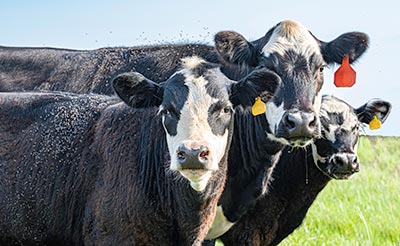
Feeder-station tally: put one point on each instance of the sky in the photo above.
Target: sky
(94, 24)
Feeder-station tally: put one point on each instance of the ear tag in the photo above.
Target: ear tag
(258, 107)
(345, 76)
(375, 123)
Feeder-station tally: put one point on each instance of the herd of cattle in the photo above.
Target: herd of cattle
(157, 145)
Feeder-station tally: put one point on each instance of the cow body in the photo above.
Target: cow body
(301, 174)
(85, 169)
(89, 71)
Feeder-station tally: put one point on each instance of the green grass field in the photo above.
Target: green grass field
(364, 210)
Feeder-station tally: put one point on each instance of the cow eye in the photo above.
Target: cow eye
(227, 110)
(321, 69)
(168, 112)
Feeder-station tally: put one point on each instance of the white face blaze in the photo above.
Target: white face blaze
(274, 115)
(293, 35)
(339, 128)
(193, 127)
(334, 106)
(289, 38)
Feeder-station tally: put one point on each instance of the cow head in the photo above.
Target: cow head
(335, 154)
(299, 58)
(196, 104)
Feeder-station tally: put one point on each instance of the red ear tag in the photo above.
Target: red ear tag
(345, 76)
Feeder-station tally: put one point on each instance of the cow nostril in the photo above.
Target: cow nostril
(290, 121)
(203, 156)
(339, 161)
(181, 155)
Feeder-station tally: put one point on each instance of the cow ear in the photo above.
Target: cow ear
(234, 48)
(137, 91)
(353, 43)
(259, 83)
(374, 107)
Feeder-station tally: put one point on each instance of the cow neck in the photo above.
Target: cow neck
(290, 188)
(297, 173)
(251, 157)
(288, 198)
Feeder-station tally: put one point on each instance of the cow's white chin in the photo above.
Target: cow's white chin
(198, 178)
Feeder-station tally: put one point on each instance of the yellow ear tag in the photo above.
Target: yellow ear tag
(375, 123)
(258, 107)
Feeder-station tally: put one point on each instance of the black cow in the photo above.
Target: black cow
(288, 49)
(301, 174)
(85, 169)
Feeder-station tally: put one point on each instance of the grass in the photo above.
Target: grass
(362, 211)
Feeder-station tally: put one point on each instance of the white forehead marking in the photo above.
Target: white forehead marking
(291, 34)
(333, 105)
(191, 62)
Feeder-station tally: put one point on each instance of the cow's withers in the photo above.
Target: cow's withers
(291, 51)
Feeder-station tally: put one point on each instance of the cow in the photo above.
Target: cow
(301, 174)
(288, 49)
(91, 170)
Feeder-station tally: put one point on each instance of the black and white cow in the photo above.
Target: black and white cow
(87, 169)
(288, 49)
(301, 174)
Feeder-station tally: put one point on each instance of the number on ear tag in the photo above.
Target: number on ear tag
(375, 123)
(258, 107)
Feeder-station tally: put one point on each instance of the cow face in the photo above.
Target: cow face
(335, 154)
(196, 105)
(292, 52)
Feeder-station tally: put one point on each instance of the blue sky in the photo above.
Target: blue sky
(94, 24)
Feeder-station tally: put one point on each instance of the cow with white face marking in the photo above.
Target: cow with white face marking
(90, 170)
(298, 58)
(291, 51)
(301, 174)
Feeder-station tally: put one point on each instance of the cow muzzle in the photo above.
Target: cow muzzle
(193, 155)
(299, 128)
(340, 165)
(194, 162)
(344, 165)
